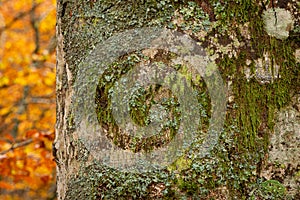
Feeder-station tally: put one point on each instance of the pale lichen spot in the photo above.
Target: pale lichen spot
(278, 22)
(297, 54)
(265, 71)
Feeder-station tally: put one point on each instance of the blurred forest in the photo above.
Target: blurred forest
(27, 99)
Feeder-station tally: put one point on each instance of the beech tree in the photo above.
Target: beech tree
(177, 99)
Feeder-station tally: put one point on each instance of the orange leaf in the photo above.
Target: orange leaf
(6, 185)
(31, 133)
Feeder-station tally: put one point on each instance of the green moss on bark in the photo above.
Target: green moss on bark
(235, 163)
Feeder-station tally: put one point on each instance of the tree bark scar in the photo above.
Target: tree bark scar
(54, 153)
(275, 14)
(64, 7)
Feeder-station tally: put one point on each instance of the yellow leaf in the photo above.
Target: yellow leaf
(4, 81)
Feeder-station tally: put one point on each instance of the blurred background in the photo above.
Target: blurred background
(27, 99)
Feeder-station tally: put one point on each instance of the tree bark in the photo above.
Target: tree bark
(252, 45)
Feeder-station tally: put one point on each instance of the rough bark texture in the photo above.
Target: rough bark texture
(257, 156)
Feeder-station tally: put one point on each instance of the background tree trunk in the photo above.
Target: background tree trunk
(257, 154)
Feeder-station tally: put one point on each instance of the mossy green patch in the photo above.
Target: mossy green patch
(270, 189)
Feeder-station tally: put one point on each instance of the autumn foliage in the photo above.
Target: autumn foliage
(27, 99)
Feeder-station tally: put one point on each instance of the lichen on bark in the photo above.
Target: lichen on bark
(233, 34)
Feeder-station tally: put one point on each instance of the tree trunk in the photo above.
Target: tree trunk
(214, 85)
